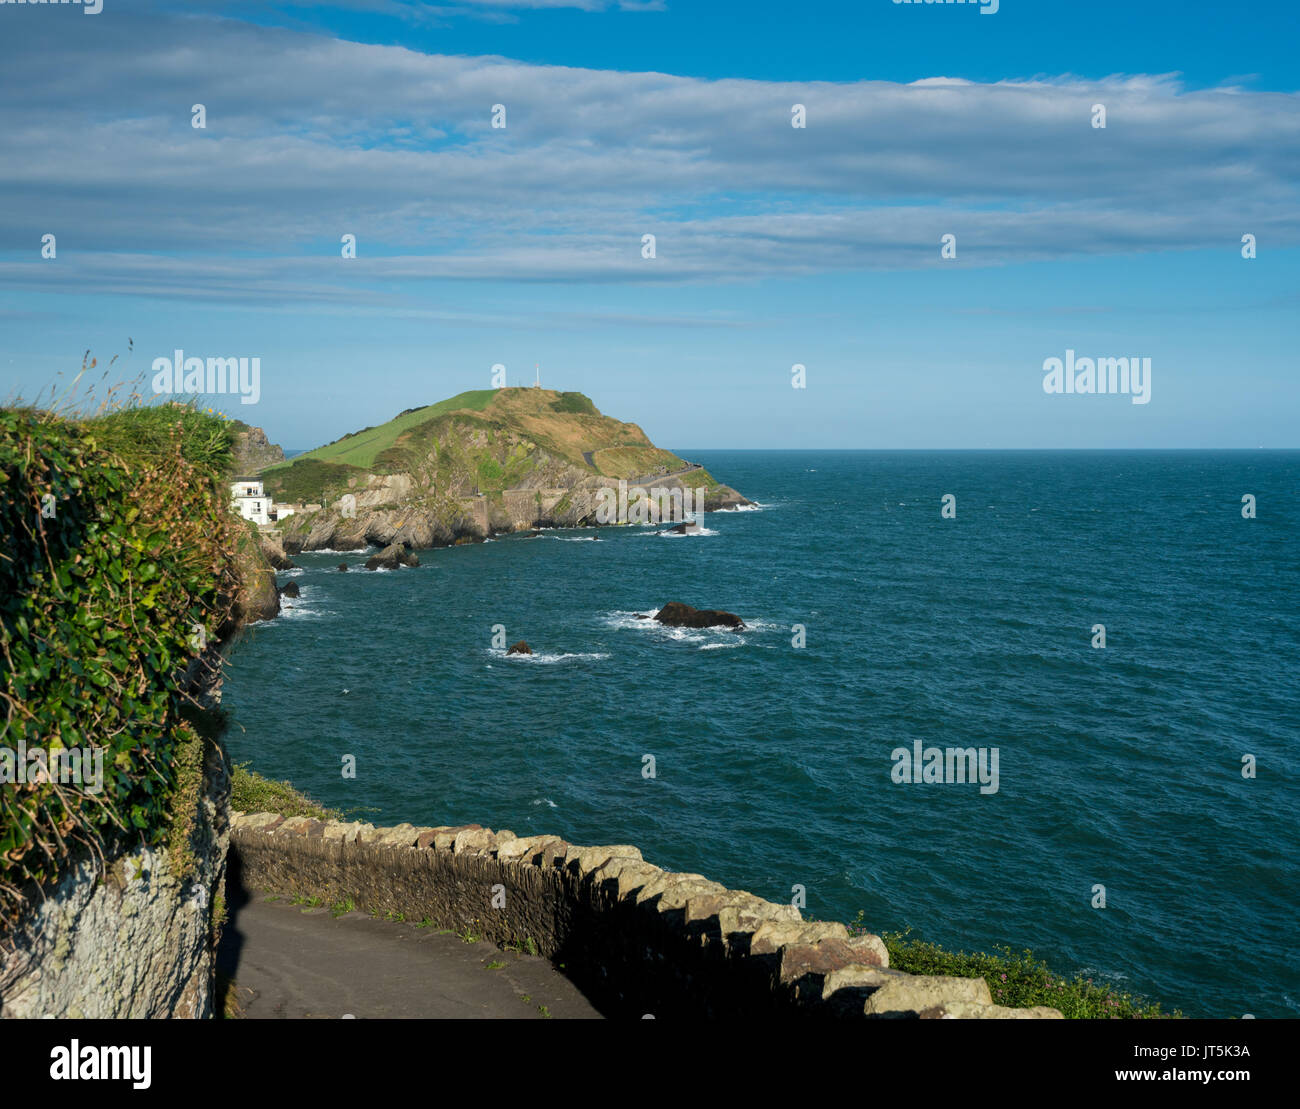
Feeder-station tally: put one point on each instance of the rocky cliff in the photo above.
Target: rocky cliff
(252, 452)
(477, 464)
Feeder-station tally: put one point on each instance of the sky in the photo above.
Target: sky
(775, 246)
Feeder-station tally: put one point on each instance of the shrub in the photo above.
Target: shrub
(115, 573)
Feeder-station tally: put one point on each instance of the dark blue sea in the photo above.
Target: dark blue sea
(1118, 766)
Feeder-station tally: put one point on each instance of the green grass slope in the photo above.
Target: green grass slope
(492, 437)
(360, 448)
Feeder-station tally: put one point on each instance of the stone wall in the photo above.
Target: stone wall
(637, 939)
(130, 939)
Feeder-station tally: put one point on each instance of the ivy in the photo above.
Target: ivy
(115, 545)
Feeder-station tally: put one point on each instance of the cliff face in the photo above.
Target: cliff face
(480, 463)
(252, 452)
(136, 940)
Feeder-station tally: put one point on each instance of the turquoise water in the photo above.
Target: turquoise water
(1119, 766)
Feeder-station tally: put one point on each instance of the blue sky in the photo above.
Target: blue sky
(774, 245)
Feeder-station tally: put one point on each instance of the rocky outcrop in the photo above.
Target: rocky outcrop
(256, 598)
(274, 552)
(533, 460)
(636, 938)
(289, 589)
(391, 557)
(252, 452)
(520, 648)
(677, 615)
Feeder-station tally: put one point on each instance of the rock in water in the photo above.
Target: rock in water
(677, 615)
(290, 589)
(391, 557)
(688, 528)
(343, 566)
(520, 648)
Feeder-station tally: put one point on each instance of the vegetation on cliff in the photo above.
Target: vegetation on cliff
(250, 792)
(1017, 980)
(482, 461)
(117, 571)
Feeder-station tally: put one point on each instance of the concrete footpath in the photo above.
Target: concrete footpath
(295, 961)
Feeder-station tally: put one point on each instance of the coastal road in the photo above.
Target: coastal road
(650, 479)
(287, 961)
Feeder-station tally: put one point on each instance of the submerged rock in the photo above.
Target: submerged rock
(343, 567)
(520, 648)
(677, 615)
(391, 557)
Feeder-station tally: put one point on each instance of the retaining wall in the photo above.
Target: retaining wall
(635, 938)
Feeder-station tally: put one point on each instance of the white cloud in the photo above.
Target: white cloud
(310, 137)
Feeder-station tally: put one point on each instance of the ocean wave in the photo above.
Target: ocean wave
(706, 637)
(300, 612)
(361, 551)
(687, 534)
(546, 801)
(547, 658)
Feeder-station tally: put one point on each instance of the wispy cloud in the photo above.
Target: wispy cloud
(310, 137)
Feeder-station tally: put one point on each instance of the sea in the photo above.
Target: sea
(1116, 633)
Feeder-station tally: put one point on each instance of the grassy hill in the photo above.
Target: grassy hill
(360, 448)
(496, 438)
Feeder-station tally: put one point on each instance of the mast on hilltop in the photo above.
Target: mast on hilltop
(537, 382)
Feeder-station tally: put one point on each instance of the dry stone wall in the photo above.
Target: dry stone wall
(636, 938)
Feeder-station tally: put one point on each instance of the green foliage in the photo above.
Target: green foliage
(307, 480)
(361, 448)
(1017, 980)
(106, 598)
(250, 792)
(575, 403)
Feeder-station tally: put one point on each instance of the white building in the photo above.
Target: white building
(250, 501)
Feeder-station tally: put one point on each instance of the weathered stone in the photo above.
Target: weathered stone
(746, 915)
(481, 841)
(338, 830)
(444, 839)
(523, 850)
(824, 956)
(294, 826)
(678, 894)
(631, 874)
(401, 835)
(583, 860)
(552, 854)
(912, 994)
(966, 1010)
(656, 886)
(360, 833)
(772, 935)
